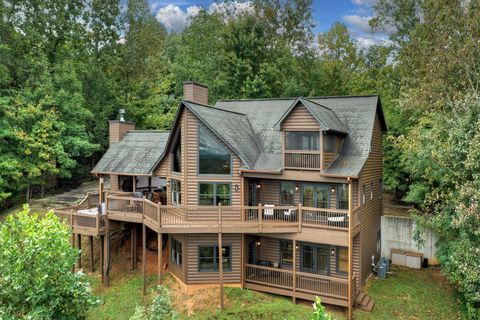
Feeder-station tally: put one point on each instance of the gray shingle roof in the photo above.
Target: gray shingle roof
(354, 115)
(136, 153)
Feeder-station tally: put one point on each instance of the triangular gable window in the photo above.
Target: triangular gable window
(213, 157)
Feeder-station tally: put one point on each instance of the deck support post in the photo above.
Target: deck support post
(73, 246)
(160, 258)
(106, 265)
(242, 261)
(220, 256)
(102, 257)
(90, 244)
(79, 242)
(294, 271)
(350, 249)
(133, 247)
(144, 256)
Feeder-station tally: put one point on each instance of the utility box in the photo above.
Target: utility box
(387, 263)
(407, 258)
(381, 270)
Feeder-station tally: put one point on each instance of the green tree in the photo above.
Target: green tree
(36, 279)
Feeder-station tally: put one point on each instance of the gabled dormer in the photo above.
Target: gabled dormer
(312, 136)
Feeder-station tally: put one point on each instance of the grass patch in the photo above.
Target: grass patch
(250, 305)
(120, 299)
(412, 294)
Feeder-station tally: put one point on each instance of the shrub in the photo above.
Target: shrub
(36, 278)
(319, 312)
(160, 309)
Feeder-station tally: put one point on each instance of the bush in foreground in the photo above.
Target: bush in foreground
(36, 278)
(160, 309)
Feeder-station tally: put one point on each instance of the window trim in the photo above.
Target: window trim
(334, 137)
(215, 183)
(280, 252)
(177, 139)
(215, 258)
(198, 154)
(315, 198)
(337, 255)
(338, 196)
(302, 150)
(175, 203)
(280, 194)
(174, 241)
(315, 245)
(364, 193)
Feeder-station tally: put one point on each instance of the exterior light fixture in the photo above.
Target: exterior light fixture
(333, 190)
(332, 251)
(258, 185)
(236, 188)
(168, 183)
(258, 242)
(297, 187)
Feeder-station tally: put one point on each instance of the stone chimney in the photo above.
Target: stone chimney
(118, 128)
(195, 92)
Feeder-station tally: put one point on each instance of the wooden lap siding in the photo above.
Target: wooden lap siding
(372, 208)
(300, 119)
(177, 270)
(192, 177)
(194, 276)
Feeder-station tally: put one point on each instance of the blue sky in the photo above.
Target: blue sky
(354, 13)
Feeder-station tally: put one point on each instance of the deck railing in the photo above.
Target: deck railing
(302, 160)
(305, 282)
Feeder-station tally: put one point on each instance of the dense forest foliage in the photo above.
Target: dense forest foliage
(67, 66)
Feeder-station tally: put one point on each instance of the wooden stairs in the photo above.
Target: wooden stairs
(364, 302)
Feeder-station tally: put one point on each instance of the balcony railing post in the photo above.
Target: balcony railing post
(299, 209)
(260, 217)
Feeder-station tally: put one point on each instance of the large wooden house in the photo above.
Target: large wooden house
(289, 189)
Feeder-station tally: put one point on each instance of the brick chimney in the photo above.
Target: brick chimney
(118, 128)
(195, 92)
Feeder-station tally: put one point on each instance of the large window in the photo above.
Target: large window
(342, 260)
(302, 140)
(177, 154)
(286, 253)
(342, 197)
(176, 187)
(208, 257)
(176, 252)
(213, 158)
(212, 194)
(286, 193)
(314, 258)
(329, 143)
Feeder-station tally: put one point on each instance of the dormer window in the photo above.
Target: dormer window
(302, 140)
(329, 143)
(213, 157)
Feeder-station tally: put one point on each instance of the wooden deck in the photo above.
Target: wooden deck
(332, 290)
(205, 219)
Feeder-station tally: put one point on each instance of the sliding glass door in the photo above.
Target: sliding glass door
(314, 258)
(316, 196)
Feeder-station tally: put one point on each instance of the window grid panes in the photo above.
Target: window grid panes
(176, 252)
(302, 140)
(213, 194)
(176, 192)
(213, 158)
(314, 258)
(286, 252)
(287, 190)
(342, 197)
(208, 258)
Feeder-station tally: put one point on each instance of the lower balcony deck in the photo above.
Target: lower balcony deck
(331, 290)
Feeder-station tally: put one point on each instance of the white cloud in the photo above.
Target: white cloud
(358, 22)
(364, 2)
(175, 19)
